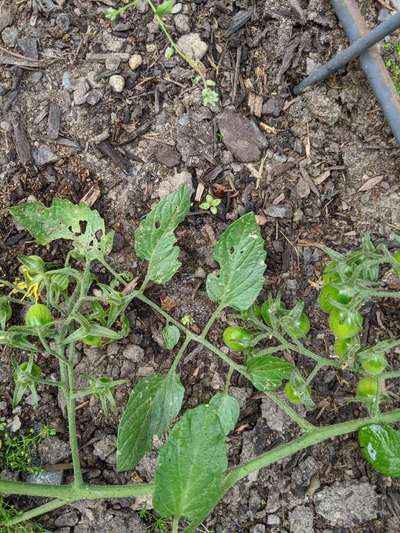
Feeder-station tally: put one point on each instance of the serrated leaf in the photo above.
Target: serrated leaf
(153, 404)
(228, 410)
(190, 467)
(380, 447)
(65, 220)
(241, 256)
(267, 372)
(170, 335)
(155, 239)
(165, 8)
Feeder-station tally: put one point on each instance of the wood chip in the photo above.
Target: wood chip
(370, 184)
(255, 103)
(22, 145)
(302, 188)
(12, 58)
(199, 192)
(322, 177)
(115, 155)
(91, 197)
(53, 121)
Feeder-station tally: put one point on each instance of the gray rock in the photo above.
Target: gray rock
(173, 183)
(276, 419)
(54, 121)
(242, 394)
(45, 478)
(276, 211)
(134, 353)
(10, 36)
(67, 82)
(304, 471)
(190, 136)
(117, 83)
(301, 520)
(182, 23)
(113, 44)
(44, 156)
(127, 369)
(81, 89)
(63, 21)
(273, 107)
(6, 16)
(113, 62)
(100, 520)
(273, 520)
(322, 106)
(176, 9)
(258, 528)
(135, 61)
(68, 519)
(93, 97)
(192, 45)
(167, 155)
(347, 503)
(241, 136)
(53, 450)
(29, 47)
(105, 449)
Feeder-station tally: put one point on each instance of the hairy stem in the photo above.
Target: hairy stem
(175, 525)
(37, 511)
(306, 440)
(179, 355)
(73, 439)
(210, 323)
(228, 380)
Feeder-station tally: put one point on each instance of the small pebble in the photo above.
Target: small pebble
(10, 36)
(113, 62)
(117, 83)
(135, 61)
(176, 9)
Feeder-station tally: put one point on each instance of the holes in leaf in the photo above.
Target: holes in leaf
(99, 234)
(157, 224)
(231, 250)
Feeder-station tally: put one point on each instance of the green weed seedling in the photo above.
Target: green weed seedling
(210, 204)
(209, 95)
(68, 304)
(393, 63)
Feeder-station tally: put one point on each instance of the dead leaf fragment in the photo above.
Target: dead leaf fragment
(370, 184)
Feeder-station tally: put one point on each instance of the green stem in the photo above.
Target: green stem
(71, 407)
(291, 413)
(313, 373)
(179, 355)
(306, 440)
(71, 493)
(211, 321)
(193, 64)
(37, 511)
(113, 272)
(228, 380)
(175, 525)
(391, 375)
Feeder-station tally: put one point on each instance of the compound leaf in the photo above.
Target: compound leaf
(380, 447)
(155, 239)
(165, 8)
(65, 220)
(152, 405)
(228, 410)
(170, 335)
(190, 467)
(241, 256)
(267, 372)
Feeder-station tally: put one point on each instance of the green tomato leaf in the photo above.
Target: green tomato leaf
(63, 220)
(190, 467)
(153, 404)
(241, 256)
(165, 8)
(267, 372)
(380, 447)
(228, 410)
(155, 238)
(170, 336)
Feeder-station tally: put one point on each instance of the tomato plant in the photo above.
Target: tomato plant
(82, 304)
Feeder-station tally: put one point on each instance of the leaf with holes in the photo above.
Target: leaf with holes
(191, 466)
(228, 410)
(65, 220)
(241, 256)
(155, 238)
(153, 404)
(267, 372)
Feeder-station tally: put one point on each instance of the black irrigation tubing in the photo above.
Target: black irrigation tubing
(371, 61)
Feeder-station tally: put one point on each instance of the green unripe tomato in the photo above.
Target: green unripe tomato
(292, 394)
(237, 339)
(271, 306)
(38, 315)
(367, 388)
(299, 327)
(92, 340)
(33, 263)
(345, 323)
(330, 294)
(375, 364)
(396, 256)
(341, 347)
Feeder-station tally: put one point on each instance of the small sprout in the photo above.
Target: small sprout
(169, 52)
(210, 97)
(26, 375)
(165, 8)
(210, 204)
(101, 388)
(187, 320)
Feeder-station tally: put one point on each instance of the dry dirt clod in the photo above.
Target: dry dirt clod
(117, 83)
(192, 45)
(135, 61)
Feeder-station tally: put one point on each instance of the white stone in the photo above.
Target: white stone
(192, 45)
(135, 61)
(117, 83)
